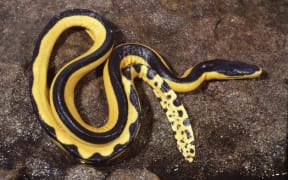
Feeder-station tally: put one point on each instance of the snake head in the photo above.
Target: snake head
(230, 69)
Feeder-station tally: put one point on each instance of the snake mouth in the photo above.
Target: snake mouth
(230, 68)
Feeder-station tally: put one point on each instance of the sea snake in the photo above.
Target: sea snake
(54, 104)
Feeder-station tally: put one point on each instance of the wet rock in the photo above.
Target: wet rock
(20, 131)
(130, 174)
(41, 168)
(84, 172)
(8, 174)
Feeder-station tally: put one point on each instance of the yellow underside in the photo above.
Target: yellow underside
(44, 102)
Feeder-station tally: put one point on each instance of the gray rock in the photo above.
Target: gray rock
(240, 126)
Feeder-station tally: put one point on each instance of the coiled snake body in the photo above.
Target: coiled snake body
(56, 108)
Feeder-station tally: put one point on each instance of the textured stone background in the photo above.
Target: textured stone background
(240, 126)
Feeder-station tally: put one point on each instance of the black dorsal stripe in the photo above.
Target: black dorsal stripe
(59, 86)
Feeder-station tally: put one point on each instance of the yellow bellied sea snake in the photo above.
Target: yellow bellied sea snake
(55, 104)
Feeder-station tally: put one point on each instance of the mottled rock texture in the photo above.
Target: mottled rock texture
(240, 126)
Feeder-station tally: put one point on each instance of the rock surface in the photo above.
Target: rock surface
(240, 126)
